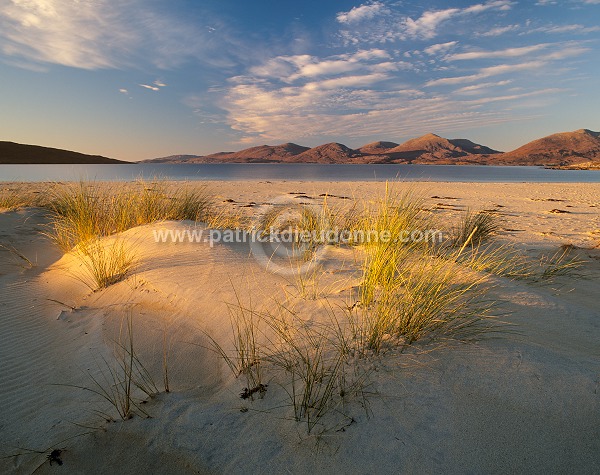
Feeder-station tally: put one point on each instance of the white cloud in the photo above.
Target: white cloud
(488, 72)
(482, 87)
(123, 91)
(363, 12)
(395, 25)
(440, 48)
(101, 34)
(543, 3)
(558, 29)
(500, 30)
(152, 88)
(290, 69)
(505, 53)
(347, 81)
(481, 7)
(426, 25)
(566, 53)
(260, 115)
(513, 97)
(159, 83)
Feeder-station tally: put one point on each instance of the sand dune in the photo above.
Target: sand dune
(521, 403)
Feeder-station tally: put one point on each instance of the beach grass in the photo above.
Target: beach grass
(476, 227)
(20, 195)
(20, 258)
(563, 262)
(88, 210)
(104, 264)
(243, 354)
(315, 361)
(119, 378)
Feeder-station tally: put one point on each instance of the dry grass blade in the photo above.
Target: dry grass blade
(105, 264)
(22, 260)
(246, 358)
(118, 381)
(314, 358)
(476, 228)
(561, 263)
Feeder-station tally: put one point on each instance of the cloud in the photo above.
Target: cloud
(481, 7)
(347, 81)
(500, 30)
(440, 48)
(566, 53)
(361, 13)
(563, 51)
(259, 115)
(102, 34)
(397, 26)
(152, 88)
(513, 97)
(426, 25)
(301, 97)
(155, 86)
(543, 3)
(482, 87)
(559, 29)
(488, 72)
(505, 53)
(123, 91)
(293, 68)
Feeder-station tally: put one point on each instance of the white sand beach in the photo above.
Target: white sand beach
(524, 400)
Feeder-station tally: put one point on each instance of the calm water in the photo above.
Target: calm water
(293, 172)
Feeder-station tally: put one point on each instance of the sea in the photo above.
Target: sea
(295, 172)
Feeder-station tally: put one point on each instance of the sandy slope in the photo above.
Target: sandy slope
(522, 403)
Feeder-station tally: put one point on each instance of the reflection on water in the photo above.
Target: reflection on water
(299, 171)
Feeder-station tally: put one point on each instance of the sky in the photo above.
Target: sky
(139, 79)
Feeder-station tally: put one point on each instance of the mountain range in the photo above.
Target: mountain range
(580, 148)
(577, 149)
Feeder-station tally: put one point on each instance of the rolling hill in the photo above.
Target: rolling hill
(21, 154)
(563, 149)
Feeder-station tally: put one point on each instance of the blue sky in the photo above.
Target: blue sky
(135, 79)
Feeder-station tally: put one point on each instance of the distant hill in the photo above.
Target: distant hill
(580, 149)
(432, 148)
(329, 153)
(563, 149)
(174, 159)
(16, 153)
(376, 148)
(260, 154)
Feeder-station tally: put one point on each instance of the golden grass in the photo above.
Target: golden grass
(477, 227)
(394, 215)
(564, 262)
(21, 195)
(245, 359)
(119, 379)
(86, 211)
(104, 264)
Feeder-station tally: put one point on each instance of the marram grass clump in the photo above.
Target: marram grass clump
(87, 210)
(476, 227)
(104, 264)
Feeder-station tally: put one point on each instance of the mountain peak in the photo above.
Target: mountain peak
(332, 152)
(587, 132)
(563, 148)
